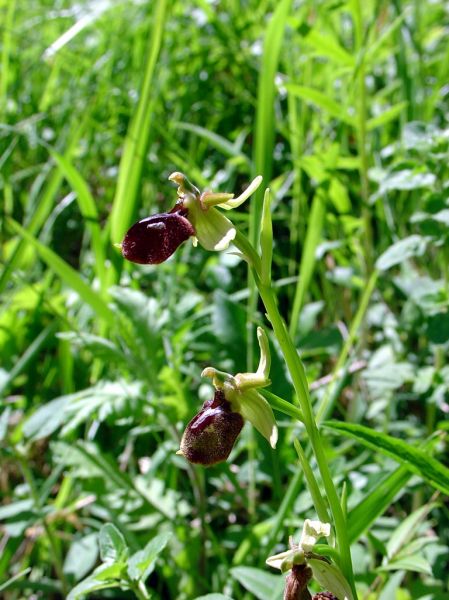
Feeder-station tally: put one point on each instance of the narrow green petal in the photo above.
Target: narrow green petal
(235, 202)
(258, 412)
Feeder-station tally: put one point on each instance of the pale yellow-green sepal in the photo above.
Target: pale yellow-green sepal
(259, 413)
(235, 202)
(213, 230)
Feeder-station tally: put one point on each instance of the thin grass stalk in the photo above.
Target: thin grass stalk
(136, 143)
(6, 54)
(326, 404)
(362, 139)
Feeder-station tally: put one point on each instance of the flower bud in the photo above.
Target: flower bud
(324, 596)
(209, 437)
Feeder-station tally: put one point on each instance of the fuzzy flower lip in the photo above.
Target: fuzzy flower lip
(154, 239)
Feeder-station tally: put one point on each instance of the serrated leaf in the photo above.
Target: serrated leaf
(416, 460)
(141, 564)
(112, 544)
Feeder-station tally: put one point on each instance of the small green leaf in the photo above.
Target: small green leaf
(113, 547)
(106, 576)
(264, 586)
(413, 245)
(141, 564)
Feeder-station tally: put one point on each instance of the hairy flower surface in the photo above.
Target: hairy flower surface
(154, 239)
(210, 435)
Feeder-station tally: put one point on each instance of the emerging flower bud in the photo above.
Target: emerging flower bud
(154, 239)
(324, 596)
(210, 435)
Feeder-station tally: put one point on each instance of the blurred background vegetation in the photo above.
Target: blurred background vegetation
(342, 107)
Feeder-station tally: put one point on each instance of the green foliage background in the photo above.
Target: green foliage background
(342, 107)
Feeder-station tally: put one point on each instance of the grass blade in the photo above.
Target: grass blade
(68, 275)
(88, 209)
(313, 237)
(134, 151)
(416, 460)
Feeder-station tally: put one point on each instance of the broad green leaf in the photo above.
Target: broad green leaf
(411, 246)
(141, 564)
(416, 460)
(112, 544)
(68, 275)
(263, 585)
(405, 180)
(322, 100)
(81, 556)
(104, 577)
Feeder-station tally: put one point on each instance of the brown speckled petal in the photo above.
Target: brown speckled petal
(210, 436)
(154, 239)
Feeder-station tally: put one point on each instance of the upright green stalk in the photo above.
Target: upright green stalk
(297, 373)
(362, 139)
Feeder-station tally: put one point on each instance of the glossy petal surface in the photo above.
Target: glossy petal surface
(154, 239)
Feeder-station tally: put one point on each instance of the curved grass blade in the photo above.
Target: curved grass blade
(416, 460)
(68, 275)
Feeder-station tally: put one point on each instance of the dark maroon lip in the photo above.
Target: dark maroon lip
(210, 436)
(154, 239)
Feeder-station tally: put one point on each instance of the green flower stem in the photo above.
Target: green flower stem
(297, 373)
(282, 405)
